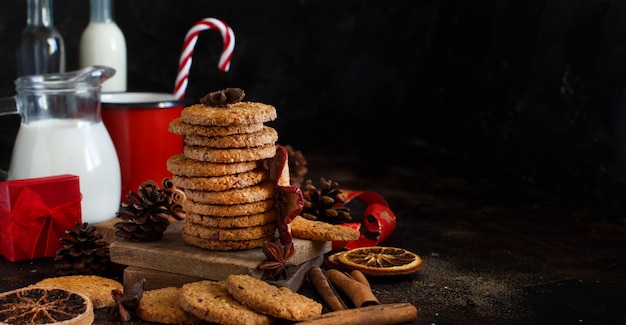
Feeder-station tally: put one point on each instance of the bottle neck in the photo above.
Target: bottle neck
(39, 13)
(101, 11)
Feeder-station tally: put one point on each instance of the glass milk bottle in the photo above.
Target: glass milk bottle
(40, 49)
(103, 43)
(62, 132)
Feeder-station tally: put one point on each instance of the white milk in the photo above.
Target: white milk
(103, 43)
(54, 147)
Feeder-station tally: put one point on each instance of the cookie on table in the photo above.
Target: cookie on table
(322, 231)
(228, 210)
(182, 166)
(235, 114)
(252, 220)
(263, 191)
(267, 135)
(179, 127)
(209, 300)
(162, 306)
(225, 245)
(271, 300)
(221, 183)
(97, 288)
(229, 155)
(229, 234)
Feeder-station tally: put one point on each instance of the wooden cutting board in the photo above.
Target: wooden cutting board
(172, 255)
(159, 279)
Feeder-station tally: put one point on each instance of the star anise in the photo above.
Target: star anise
(223, 98)
(277, 263)
(127, 302)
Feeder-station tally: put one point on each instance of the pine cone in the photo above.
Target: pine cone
(297, 166)
(146, 215)
(321, 204)
(84, 252)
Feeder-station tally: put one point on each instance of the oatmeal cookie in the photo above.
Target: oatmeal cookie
(97, 288)
(252, 220)
(229, 234)
(179, 127)
(225, 245)
(235, 114)
(259, 192)
(182, 166)
(221, 183)
(209, 300)
(161, 306)
(271, 300)
(229, 155)
(228, 210)
(322, 231)
(266, 136)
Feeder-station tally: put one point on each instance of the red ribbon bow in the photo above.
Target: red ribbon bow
(378, 220)
(34, 226)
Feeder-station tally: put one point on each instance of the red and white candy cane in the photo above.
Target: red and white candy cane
(184, 64)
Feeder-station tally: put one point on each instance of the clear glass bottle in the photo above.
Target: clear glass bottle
(103, 43)
(41, 48)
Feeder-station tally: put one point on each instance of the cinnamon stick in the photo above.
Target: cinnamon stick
(383, 314)
(359, 276)
(360, 294)
(325, 288)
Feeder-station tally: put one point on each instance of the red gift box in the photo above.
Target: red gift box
(35, 213)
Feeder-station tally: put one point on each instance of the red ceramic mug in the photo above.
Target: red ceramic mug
(138, 125)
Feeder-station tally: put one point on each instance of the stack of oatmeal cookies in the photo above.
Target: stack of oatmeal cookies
(229, 197)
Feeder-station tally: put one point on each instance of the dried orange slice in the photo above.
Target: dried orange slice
(380, 260)
(45, 305)
(332, 261)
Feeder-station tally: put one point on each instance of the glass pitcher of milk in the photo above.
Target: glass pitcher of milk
(61, 132)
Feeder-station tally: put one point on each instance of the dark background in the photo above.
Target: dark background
(531, 91)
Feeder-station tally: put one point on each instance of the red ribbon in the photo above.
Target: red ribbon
(378, 220)
(34, 227)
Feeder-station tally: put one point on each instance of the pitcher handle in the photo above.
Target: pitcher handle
(8, 106)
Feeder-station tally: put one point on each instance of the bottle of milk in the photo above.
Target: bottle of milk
(41, 48)
(103, 43)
